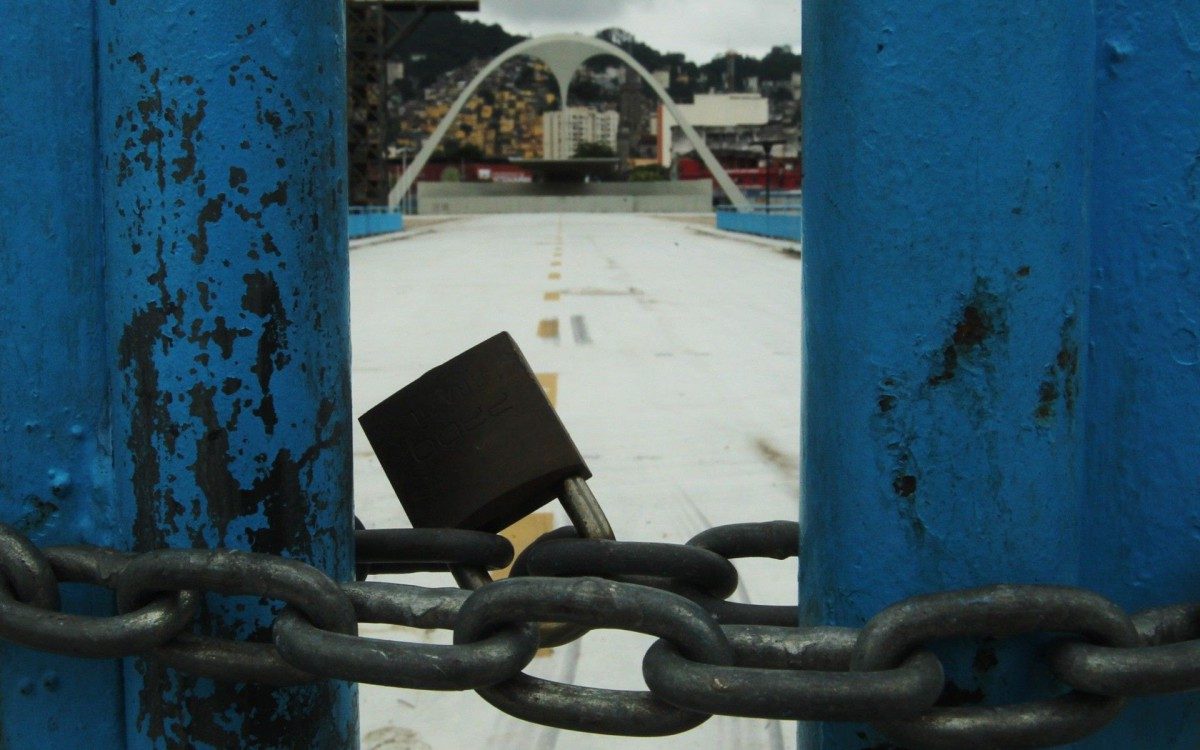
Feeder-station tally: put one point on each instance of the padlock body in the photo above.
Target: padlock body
(473, 443)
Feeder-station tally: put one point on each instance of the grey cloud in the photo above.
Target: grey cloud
(540, 11)
(701, 29)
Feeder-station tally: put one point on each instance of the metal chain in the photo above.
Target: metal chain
(713, 656)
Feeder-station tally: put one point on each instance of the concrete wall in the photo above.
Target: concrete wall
(693, 196)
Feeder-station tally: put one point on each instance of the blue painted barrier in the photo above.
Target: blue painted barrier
(783, 223)
(54, 383)
(176, 295)
(223, 155)
(945, 314)
(1144, 387)
(365, 221)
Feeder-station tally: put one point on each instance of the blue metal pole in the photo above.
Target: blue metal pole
(1144, 387)
(223, 138)
(945, 311)
(53, 385)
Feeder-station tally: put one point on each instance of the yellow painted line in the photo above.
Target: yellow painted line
(549, 382)
(555, 263)
(552, 296)
(555, 276)
(548, 328)
(523, 533)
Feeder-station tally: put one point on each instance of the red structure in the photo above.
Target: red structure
(749, 172)
(472, 171)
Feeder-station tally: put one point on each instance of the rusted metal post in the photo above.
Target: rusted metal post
(222, 132)
(945, 312)
(53, 382)
(1144, 390)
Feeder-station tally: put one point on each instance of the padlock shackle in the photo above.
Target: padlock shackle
(584, 510)
(589, 521)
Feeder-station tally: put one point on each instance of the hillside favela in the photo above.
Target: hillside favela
(746, 108)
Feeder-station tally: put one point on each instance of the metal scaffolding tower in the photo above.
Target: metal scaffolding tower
(373, 34)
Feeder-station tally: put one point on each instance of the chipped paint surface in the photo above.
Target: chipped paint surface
(223, 155)
(944, 298)
(53, 385)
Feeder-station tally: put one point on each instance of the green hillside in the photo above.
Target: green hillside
(446, 41)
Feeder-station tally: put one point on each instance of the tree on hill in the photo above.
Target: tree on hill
(682, 84)
(779, 64)
(452, 150)
(446, 41)
(587, 92)
(649, 57)
(594, 150)
(649, 173)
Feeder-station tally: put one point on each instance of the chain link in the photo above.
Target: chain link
(400, 551)
(596, 603)
(713, 656)
(488, 660)
(1168, 661)
(232, 573)
(1001, 612)
(690, 567)
(794, 673)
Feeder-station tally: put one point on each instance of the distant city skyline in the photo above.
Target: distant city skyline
(700, 29)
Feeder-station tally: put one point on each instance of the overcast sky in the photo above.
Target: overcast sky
(701, 29)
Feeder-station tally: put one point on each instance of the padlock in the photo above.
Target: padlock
(474, 443)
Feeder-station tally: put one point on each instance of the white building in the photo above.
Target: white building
(564, 130)
(722, 120)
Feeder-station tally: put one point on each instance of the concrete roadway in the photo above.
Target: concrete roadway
(673, 357)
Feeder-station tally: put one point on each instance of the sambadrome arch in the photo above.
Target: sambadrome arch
(564, 54)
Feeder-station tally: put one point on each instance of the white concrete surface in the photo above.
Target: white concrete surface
(678, 376)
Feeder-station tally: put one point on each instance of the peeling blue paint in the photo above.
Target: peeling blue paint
(223, 150)
(946, 237)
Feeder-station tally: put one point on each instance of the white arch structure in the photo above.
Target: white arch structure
(564, 53)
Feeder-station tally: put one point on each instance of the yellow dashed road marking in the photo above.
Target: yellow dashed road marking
(555, 263)
(552, 296)
(549, 382)
(555, 276)
(548, 328)
(523, 532)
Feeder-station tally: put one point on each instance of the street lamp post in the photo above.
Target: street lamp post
(767, 145)
(403, 169)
